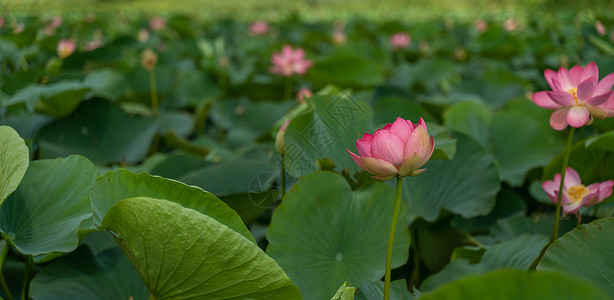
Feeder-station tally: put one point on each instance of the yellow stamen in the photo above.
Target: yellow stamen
(576, 193)
(574, 93)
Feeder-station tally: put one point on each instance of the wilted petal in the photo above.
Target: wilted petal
(542, 99)
(378, 167)
(562, 98)
(577, 116)
(401, 128)
(597, 112)
(410, 165)
(416, 172)
(387, 146)
(558, 118)
(586, 89)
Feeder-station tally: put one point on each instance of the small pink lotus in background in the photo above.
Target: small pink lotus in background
(398, 149)
(93, 45)
(53, 25)
(510, 25)
(480, 25)
(577, 96)
(258, 28)
(303, 93)
(90, 18)
(576, 195)
(600, 28)
(1, 22)
(143, 35)
(18, 27)
(66, 47)
(290, 61)
(157, 23)
(399, 40)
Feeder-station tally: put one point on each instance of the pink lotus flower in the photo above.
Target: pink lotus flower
(480, 25)
(290, 61)
(600, 28)
(398, 149)
(399, 40)
(143, 35)
(157, 23)
(53, 25)
(303, 93)
(576, 194)
(258, 28)
(510, 25)
(66, 47)
(577, 96)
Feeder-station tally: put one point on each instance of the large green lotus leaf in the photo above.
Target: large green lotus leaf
(510, 228)
(518, 253)
(374, 290)
(345, 70)
(14, 160)
(472, 118)
(122, 184)
(323, 234)
(183, 254)
(585, 252)
(509, 204)
(236, 177)
(106, 83)
(445, 144)
(514, 285)
(98, 130)
(85, 275)
(591, 157)
(44, 213)
(334, 124)
(55, 99)
(466, 185)
(520, 145)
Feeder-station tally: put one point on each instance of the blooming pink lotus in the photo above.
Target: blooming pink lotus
(290, 61)
(398, 149)
(258, 28)
(576, 194)
(66, 47)
(399, 40)
(577, 96)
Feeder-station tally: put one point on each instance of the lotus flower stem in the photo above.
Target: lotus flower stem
(5, 288)
(283, 175)
(393, 227)
(27, 277)
(415, 275)
(557, 214)
(153, 91)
